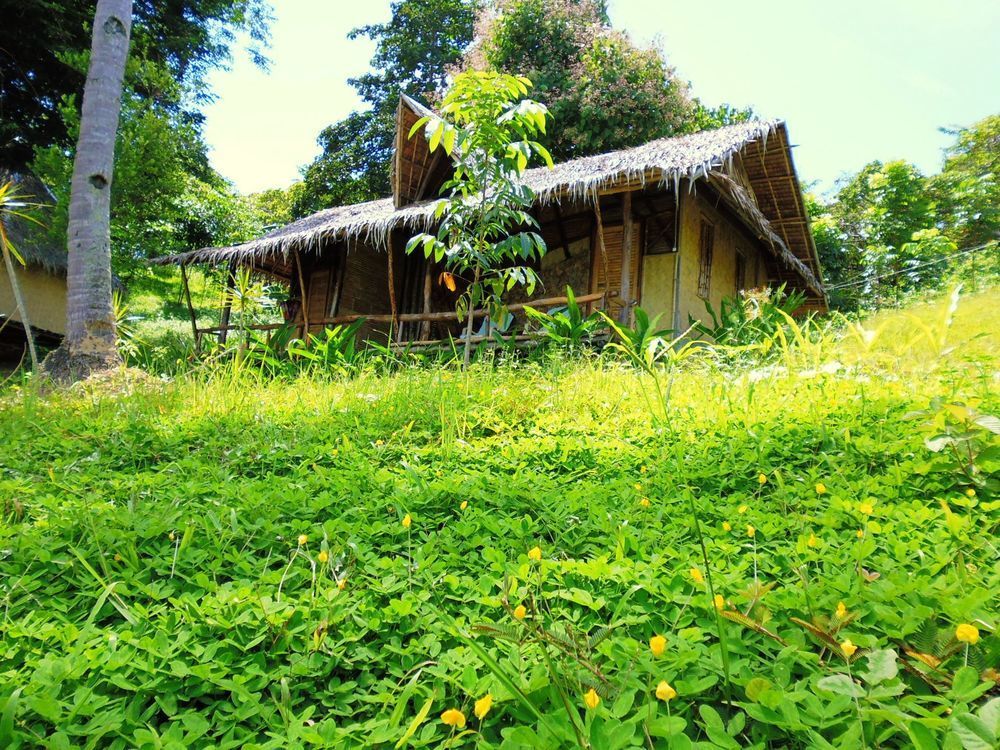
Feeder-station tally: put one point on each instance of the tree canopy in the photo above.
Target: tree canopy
(414, 50)
(604, 92)
(890, 229)
(40, 70)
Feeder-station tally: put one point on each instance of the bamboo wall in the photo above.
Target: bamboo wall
(44, 295)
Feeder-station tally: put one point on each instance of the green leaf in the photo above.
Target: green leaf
(881, 666)
(990, 714)
(7, 718)
(841, 684)
(921, 736)
(973, 732)
(415, 724)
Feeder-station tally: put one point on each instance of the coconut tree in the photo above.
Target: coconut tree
(90, 342)
(13, 205)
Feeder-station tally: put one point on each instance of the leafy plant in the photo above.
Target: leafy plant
(750, 320)
(333, 349)
(487, 129)
(566, 327)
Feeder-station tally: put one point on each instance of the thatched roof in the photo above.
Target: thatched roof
(30, 239)
(705, 156)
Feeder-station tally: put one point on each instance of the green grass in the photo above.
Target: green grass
(154, 592)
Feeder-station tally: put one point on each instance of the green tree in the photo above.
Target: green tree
(865, 235)
(967, 190)
(38, 74)
(489, 130)
(90, 342)
(414, 51)
(604, 92)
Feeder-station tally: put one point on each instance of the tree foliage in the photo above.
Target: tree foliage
(39, 72)
(890, 230)
(489, 130)
(604, 92)
(967, 190)
(414, 50)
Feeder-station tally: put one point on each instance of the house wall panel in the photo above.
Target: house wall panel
(44, 295)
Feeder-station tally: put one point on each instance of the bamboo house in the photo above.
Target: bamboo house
(42, 278)
(666, 226)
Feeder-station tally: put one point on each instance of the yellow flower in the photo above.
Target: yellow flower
(860, 534)
(638, 487)
(970, 492)
(644, 502)
(720, 601)
(820, 488)
(848, 648)
(866, 507)
(341, 584)
(697, 575)
(743, 509)
(483, 706)
(967, 633)
(453, 718)
(118, 557)
(535, 554)
(664, 692)
(642, 469)
(592, 699)
(751, 531)
(762, 479)
(407, 521)
(657, 644)
(171, 536)
(323, 556)
(726, 526)
(813, 541)
(303, 539)
(464, 505)
(841, 610)
(519, 612)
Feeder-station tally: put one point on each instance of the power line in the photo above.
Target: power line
(967, 251)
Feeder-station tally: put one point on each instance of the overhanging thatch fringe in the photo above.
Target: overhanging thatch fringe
(667, 162)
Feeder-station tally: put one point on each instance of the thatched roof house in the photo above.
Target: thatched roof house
(707, 215)
(42, 279)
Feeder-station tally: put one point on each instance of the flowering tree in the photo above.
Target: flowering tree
(485, 228)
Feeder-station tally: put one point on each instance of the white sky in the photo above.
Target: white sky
(856, 80)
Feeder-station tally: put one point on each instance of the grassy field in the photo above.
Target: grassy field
(778, 556)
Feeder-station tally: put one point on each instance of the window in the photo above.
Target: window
(706, 244)
(741, 271)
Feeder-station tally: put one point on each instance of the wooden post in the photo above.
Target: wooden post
(626, 290)
(190, 307)
(304, 296)
(600, 242)
(392, 282)
(227, 303)
(425, 326)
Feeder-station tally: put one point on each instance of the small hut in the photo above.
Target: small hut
(666, 226)
(42, 279)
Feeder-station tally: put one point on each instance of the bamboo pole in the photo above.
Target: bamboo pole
(626, 290)
(190, 307)
(600, 240)
(227, 303)
(304, 297)
(392, 281)
(428, 317)
(425, 329)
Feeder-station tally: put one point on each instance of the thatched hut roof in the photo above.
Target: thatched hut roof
(708, 156)
(31, 240)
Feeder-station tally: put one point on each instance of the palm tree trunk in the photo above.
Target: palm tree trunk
(90, 341)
